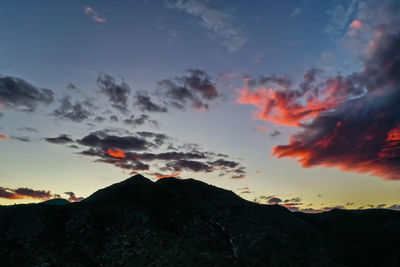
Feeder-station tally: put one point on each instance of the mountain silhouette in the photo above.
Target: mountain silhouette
(185, 222)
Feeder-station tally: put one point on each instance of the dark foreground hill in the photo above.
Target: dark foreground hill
(175, 222)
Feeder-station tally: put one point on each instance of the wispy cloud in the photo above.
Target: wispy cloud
(93, 14)
(296, 11)
(215, 20)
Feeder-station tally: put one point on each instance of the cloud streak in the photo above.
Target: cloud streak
(215, 20)
(93, 14)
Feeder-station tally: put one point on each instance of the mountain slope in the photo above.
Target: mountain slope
(186, 222)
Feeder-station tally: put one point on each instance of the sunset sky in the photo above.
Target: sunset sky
(283, 102)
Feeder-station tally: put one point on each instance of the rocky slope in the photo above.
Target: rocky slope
(175, 222)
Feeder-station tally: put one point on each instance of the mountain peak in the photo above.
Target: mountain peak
(139, 190)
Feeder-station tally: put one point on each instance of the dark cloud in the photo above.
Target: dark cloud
(76, 112)
(275, 133)
(189, 165)
(22, 192)
(99, 119)
(104, 141)
(1, 115)
(135, 151)
(144, 102)
(117, 93)
(274, 201)
(61, 140)
(222, 163)
(194, 89)
(114, 118)
(21, 138)
(18, 94)
(72, 87)
(73, 198)
(293, 200)
(158, 138)
(140, 120)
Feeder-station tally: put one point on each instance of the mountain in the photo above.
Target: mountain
(174, 222)
(56, 201)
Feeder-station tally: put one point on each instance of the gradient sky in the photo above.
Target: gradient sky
(288, 102)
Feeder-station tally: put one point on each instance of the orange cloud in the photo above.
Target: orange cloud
(283, 107)
(355, 24)
(174, 175)
(116, 153)
(4, 137)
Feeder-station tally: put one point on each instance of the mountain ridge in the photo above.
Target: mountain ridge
(184, 222)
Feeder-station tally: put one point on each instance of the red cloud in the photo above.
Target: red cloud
(116, 153)
(349, 122)
(291, 107)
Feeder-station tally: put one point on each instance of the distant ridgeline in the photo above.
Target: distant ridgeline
(175, 222)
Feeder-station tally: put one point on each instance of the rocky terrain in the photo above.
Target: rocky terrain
(175, 222)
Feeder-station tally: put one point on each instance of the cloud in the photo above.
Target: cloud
(23, 192)
(350, 121)
(162, 176)
(275, 133)
(142, 119)
(93, 14)
(102, 140)
(284, 105)
(340, 17)
(28, 129)
(116, 153)
(114, 118)
(21, 138)
(61, 140)
(3, 137)
(136, 151)
(73, 198)
(18, 94)
(143, 101)
(215, 20)
(99, 119)
(362, 134)
(76, 112)
(296, 11)
(274, 200)
(117, 93)
(189, 165)
(194, 89)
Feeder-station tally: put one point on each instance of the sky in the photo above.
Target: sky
(283, 102)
